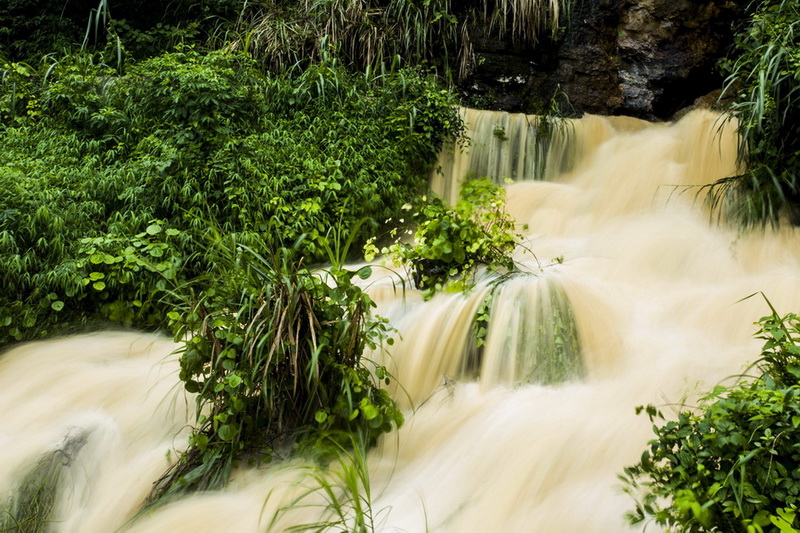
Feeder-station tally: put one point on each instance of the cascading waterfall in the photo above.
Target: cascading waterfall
(628, 293)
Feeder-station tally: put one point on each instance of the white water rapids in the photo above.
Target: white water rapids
(653, 283)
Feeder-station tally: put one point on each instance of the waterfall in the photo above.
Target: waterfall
(629, 292)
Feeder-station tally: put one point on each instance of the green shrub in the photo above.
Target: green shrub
(273, 353)
(734, 464)
(450, 242)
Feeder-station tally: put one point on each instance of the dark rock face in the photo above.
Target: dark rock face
(645, 58)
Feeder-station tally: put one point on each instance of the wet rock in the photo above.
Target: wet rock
(646, 58)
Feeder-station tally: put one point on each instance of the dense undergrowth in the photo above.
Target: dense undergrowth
(187, 167)
(371, 32)
(110, 178)
(282, 33)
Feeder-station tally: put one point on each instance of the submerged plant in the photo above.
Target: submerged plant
(30, 507)
(555, 355)
(537, 326)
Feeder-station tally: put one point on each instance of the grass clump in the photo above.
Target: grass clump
(342, 491)
(763, 77)
(370, 33)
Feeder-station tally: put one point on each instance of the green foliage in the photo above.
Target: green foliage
(764, 76)
(30, 29)
(92, 158)
(164, 193)
(734, 464)
(16, 100)
(281, 33)
(365, 34)
(371, 33)
(123, 278)
(450, 242)
(527, 20)
(272, 352)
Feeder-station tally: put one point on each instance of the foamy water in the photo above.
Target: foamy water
(653, 285)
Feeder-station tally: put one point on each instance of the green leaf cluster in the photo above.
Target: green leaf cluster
(450, 242)
(734, 464)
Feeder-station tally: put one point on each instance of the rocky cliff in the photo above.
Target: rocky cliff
(645, 58)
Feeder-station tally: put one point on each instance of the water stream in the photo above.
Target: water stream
(629, 294)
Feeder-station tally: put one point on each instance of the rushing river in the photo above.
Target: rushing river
(630, 293)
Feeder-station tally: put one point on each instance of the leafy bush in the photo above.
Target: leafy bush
(183, 141)
(733, 465)
(272, 352)
(451, 242)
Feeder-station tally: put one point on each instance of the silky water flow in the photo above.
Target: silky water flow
(628, 293)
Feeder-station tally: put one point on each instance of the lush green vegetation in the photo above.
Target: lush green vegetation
(451, 242)
(273, 353)
(733, 464)
(281, 33)
(110, 178)
(183, 166)
(373, 32)
(192, 191)
(764, 77)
